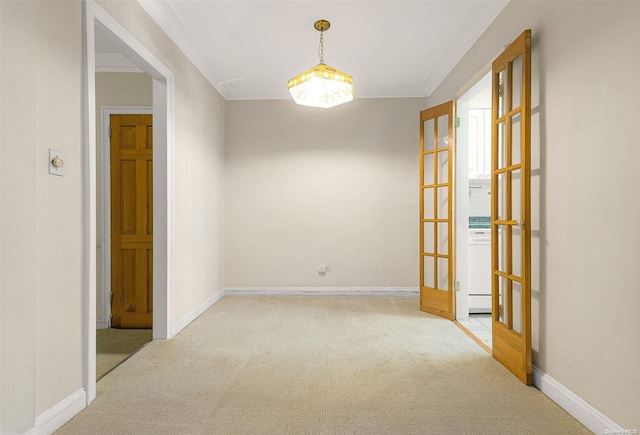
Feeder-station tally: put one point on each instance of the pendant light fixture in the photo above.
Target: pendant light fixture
(321, 86)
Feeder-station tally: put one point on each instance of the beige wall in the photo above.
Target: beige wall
(308, 186)
(114, 89)
(40, 222)
(586, 103)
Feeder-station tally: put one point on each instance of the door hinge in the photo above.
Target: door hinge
(456, 286)
(109, 131)
(111, 298)
(457, 122)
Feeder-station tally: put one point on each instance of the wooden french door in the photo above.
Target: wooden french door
(131, 221)
(436, 213)
(511, 208)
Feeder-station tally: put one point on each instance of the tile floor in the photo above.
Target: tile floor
(480, 326)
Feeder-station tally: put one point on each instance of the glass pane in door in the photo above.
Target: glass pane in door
(516, 254)
(516, 139)
(429, 271)
(428, 177)
(428, 211)
(502, 79)
(443, 132)
(516, 304)
(516, 77)
(516, 195)
(429, 237)
(443, 238)
(429, 138)
(500, 196)
(502, 292)
(443, 166)
(502, 146)
(443, 274)
(503, 265)
(443, 202)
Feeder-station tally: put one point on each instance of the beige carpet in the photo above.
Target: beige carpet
(116, 345)
(253, 365)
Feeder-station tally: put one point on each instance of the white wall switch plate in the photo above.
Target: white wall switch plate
(56, 162)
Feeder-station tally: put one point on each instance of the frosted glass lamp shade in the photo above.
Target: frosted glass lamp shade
(321, 86)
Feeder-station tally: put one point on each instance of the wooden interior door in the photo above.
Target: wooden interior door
(437, 295)
(131, 221)
(511, 208)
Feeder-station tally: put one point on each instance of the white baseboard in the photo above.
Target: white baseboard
(581, 410)
(371, 292)
(196, 312)
(101, 324)
(56, 416)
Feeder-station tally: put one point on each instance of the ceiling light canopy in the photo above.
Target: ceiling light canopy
(321, 86)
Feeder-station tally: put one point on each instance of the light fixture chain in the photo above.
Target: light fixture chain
(321, 48)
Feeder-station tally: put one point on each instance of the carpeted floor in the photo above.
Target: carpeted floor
(116, 345)
(275, 365)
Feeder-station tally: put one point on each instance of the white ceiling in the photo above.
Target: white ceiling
(249, 49)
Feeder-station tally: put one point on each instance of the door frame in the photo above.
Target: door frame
(105, 189)
(94, 17)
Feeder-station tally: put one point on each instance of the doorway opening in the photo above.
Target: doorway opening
(97, 21)
(473, 217)
(116, 340)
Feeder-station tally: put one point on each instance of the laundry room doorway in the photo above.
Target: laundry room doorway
(473, 205)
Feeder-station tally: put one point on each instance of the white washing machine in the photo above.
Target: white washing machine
(479, 270)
